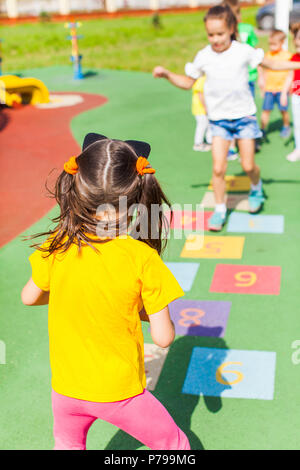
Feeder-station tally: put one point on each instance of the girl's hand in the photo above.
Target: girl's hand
(160, 72)
(283, 99)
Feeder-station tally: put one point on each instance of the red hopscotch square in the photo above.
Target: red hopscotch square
(189, 220)
(239, 279)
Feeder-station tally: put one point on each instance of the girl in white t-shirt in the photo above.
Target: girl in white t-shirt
(230, 105)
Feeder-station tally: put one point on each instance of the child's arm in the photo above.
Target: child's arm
(33, 295)
(280, 64)
(261, 79)
(286, 89)
(181, 81)
(162, 328)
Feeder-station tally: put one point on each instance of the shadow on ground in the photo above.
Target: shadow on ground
(169, 391)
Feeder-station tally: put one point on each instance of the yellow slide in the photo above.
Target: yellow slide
(14, 89)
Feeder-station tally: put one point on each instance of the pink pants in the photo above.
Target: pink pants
(142, 416)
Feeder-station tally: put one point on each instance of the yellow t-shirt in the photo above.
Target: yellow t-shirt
(95, 333)
(197, 107)
(275, 79)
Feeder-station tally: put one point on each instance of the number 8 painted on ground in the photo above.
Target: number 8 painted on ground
(195, 319)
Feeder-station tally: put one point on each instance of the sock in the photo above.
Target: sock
(221, 208)
(256, 187)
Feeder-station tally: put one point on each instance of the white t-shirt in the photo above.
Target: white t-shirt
(226, 90)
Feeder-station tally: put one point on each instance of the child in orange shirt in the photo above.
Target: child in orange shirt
(271, 83)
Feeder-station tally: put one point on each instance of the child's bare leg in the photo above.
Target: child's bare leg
(220, 149)
(256, 198)
(285, 118)
(265, 118)
(247, 153)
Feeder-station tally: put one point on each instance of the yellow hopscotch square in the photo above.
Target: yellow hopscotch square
(197, 246)
(235, 183)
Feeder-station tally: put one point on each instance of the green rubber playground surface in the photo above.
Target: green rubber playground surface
(140, 107)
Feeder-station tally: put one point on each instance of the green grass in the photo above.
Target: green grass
(129, 43)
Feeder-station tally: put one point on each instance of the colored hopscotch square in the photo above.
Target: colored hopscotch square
(255, 223)
(235, 183)
(200, 317)
(154, 358)
(189, 220)
(231, 373)
(199, 246)
(264, 280)
(233, 201)
(185, 273)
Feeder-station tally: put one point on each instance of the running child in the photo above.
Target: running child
(272, 83)
(292, 85)
(230, 105)
(202, 132)
(100, 283)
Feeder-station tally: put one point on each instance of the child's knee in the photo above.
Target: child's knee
(219, 171)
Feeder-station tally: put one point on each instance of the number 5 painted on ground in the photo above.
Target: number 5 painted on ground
(245, 279)
(220, 369)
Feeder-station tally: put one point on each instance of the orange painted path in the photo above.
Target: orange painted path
(33, 142)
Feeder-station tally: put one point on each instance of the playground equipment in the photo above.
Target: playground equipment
(75, 57)
(18, 90)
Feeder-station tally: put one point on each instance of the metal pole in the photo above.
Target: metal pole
(154, 5)
(64, 7)
(282, 17)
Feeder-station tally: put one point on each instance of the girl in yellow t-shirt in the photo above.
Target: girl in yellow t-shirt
(100, 283)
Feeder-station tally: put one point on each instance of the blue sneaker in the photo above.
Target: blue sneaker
(216, 221)
(255, 201)
(285, 132)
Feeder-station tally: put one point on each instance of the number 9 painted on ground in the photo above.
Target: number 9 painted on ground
(245, 279)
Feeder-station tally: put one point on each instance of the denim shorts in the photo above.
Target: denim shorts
(271, 99)
(243, 128)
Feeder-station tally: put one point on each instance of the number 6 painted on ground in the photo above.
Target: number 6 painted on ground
(220, 379)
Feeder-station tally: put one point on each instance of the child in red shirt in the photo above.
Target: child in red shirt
(292, 85)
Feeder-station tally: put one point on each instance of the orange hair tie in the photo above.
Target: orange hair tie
(71, 166)
(141, 166)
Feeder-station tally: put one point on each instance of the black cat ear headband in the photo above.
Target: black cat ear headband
(141, 148)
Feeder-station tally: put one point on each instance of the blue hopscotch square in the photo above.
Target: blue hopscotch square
(231, 373)
(248, 223)
(185, 273)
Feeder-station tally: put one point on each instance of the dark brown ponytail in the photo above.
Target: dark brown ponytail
(106, 173)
